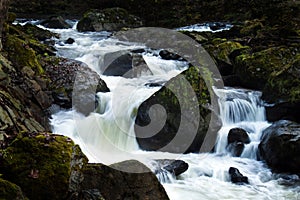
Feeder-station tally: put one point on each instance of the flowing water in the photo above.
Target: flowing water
(107, 135)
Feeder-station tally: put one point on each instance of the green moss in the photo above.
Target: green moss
(10, 190)
(22, 54)
(274, 70)
(220, 49)
(39, 164)
(251, 27)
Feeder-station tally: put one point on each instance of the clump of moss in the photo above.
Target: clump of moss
(10, 190)
(39, 164)
(22, 54)
(222, 48)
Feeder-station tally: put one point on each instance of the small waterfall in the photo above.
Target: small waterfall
(244, 109)
(237, 105)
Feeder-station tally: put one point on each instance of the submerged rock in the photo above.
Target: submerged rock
(110, 19)
(280, 147)
(237, 177)
(237, 138)
(175, 167)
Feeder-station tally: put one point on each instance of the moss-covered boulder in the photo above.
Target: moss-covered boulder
(126, 180)
(274, 70)
(10, 190)
(40, 164)
(178, 110)
(111, 19)
(221, 50)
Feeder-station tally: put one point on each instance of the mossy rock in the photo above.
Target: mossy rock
(110, 19)
(182, 97)
(222, 48)
(251, 27)
(284, 84)
(10, 190)
(21, 54)
(40, 164)
(257, 69)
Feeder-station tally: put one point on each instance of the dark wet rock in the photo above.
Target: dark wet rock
(238, 135)
(237, 138)
(126, 64)
(175, 167)
(158, 119)
(117, 64)
(166, 55)
(110, 19)
(237, 177)
(70, 41)
(39, 164)
(280, 147)
(155, 84)
(98, 181)
(283, 110)
(139, 51)
(232, 81)
(10, 190)
(55, 22)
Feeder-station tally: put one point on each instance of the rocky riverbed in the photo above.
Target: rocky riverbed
(260, 54)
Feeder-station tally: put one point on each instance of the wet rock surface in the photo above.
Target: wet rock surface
(175, 167)
(280, 147)
(98, 180)
(237, 138)
(156, 126)
(236, 176)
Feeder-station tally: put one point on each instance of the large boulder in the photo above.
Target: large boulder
(280, 147)
(273, 70)
(73, 84)
(124, 63)
(110, 19)
(113, 182)
(168, 120)
(55, 22)
(40, 164)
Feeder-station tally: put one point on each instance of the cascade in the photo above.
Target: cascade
(243, 109)
(107, 135)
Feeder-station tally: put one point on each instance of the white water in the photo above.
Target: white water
(107, 136)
